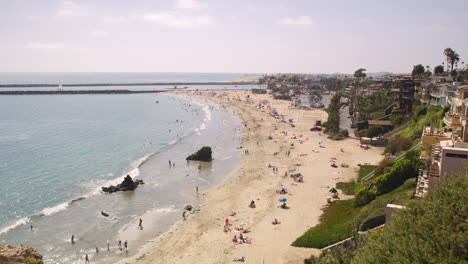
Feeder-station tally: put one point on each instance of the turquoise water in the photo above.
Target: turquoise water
(57, 151)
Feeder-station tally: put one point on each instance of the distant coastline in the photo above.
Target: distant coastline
(39, 85)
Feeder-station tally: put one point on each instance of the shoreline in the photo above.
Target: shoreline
(201, 236)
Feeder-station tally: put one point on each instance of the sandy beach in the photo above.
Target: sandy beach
(200, 238)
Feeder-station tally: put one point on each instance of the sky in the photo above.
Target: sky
(257, 36)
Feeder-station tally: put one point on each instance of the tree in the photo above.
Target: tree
(360, 73)
(452, 58)
(431, 230)
(417, 70)
(374, 131)
(438, 69)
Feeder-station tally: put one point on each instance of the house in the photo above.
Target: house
(405, 89)
(442, 94)
(456, 117)
(447, 158)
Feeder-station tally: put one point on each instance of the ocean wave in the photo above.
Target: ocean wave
(21, 221)
(55, 209)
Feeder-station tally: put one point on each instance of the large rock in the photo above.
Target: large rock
(128, 184)
(204, 154)
(19, 255)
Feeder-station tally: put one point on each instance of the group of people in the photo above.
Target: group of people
(297, 177)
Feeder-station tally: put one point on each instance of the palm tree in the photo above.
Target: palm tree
(452, 57)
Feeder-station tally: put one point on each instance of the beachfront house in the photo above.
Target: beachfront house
(447, 158)
(456, 117)
(442, 94)
(405, 89)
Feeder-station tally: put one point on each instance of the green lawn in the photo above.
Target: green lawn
(364, 170)
(336, 225)
(341, 217)
(346, 187)
(349, 187)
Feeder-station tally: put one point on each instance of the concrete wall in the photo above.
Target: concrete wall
(453, 161)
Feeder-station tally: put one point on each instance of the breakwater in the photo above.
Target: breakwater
(39, 85)
(36, 92)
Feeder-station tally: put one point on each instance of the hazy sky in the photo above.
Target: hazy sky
(229, 36)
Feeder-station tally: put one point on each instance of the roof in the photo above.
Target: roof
(380, 122)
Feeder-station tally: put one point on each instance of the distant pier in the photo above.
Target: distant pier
(36, 92)
(43, 85)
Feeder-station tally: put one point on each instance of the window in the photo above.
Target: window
(455, 155)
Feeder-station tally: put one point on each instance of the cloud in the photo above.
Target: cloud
(297, 21)
(98, 33)
(69, 9)
(44, 45)
(190, 4)
(179, 21)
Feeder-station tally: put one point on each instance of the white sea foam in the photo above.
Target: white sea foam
(55, 209)
(21, 221)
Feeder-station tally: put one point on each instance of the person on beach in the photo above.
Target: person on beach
(226, 223)
(234, 239)
(184, 215)
(120, 245)
(140, 224)
(108, 246)
(199, 167)
(276, 222)
(73, 239)
(86, 259)
(126, 245)
(252, 204)
(31, 228)
(170, 163)
(97, 250)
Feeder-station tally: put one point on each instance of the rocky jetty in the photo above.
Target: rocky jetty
(204, 154)
(128, 184)
(18, 255)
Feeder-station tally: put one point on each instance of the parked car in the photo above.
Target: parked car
(316, 128)
(353, 125)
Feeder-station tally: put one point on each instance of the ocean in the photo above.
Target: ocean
(57, 151)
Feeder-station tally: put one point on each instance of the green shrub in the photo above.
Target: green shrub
(344, 133)
(324, 124)
(30, 260)
(377, 115)
(363, 196)
(335, 136)
(397, 119)
(402, 170)
(398, 144)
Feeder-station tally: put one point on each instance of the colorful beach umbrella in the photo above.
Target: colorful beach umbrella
(280, 185)
(293, 169)
(282, 200)
(333, 190)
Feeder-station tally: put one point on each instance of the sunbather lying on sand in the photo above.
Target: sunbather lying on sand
(239, 259)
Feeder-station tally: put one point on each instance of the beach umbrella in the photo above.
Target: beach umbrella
(333, 190)
(272, 166)
(280, 185)
(244, 223)
(293, 169)
(282, 200)
(291, 120)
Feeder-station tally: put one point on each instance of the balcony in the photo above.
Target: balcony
(452, 120)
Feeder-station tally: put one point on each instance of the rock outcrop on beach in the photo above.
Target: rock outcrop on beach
(128, 184)
(204, 154)
(18, 255)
